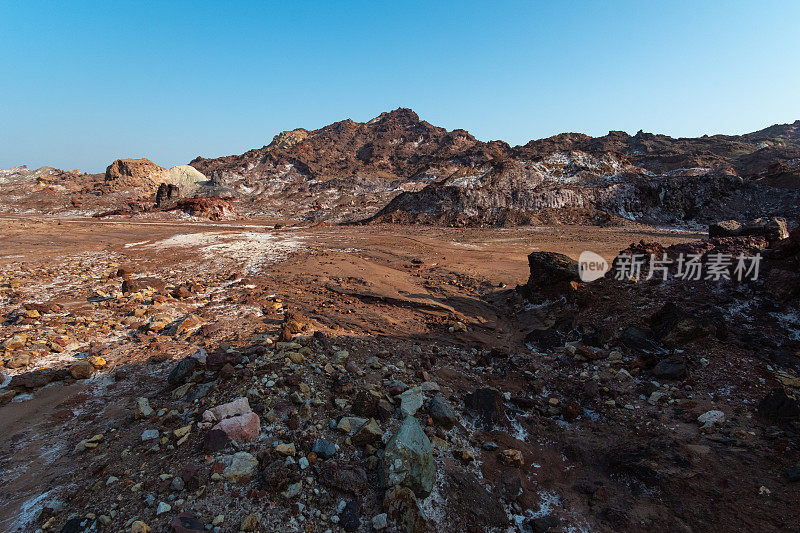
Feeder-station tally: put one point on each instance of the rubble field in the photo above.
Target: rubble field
(187, 376)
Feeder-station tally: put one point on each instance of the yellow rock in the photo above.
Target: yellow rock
(190, 324)
(250, 523)
(140, 527)
(32, 313)
(788, 379)
(97, 362)
(81, 370)
(295, 357)
(16, 342)
(180, 432)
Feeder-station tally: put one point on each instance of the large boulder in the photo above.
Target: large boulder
(550, 272)
(773, 229)
(207, 207)
(551, 267)
(188, 178)
(487, 404)
(139, 173)
(167, 194)
(408, 459)
(724, 228)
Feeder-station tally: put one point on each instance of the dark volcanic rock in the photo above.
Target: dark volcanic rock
(669, 369)
(777, 406)
(547, 268)
(724, 228)
(442, 412)
(488, 405)
(215, 440)
(186, 523)
(639, 339)
(167, 194)
(349, 518)
(773, 229)
(345, 477)
(182, 371)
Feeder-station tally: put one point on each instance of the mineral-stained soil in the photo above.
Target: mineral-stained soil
(396, 377)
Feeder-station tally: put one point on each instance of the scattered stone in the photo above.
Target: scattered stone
(237, 407)
(512, 458)
(97, 362)
(143, 409)
(369, 433)
(182, 371)
(188, 325)
(293, 491)
(216, 440)
(250, 523)
(324, 448)
(410, 401)
(709, 419)
(15, 342)
(379, 522)
(139, 527)
(350, 424)
(287, 450)
(345, 477)
(442, 412)
(488, 404)
(243, 428)
(349, 517)
(401, 506)
(669, 369)
(150, 434)
(186, 523)
(239, 467)
(408, 459)
(81, 370)
(88, 444)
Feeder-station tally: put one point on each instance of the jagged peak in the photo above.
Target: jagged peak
(401, 114)
(288, 138)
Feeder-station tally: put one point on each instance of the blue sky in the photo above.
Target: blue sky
(87, 82)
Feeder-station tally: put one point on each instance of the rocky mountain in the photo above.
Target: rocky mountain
(398, 168)
(652, 178)
(401, 169)
(346, 170)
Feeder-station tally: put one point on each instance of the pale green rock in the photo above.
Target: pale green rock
(408, 459)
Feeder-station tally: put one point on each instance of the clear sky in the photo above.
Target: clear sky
(85, 83)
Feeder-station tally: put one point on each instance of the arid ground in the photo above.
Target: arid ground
(325, 329)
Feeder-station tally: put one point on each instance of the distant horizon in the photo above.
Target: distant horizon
(90, 82)
(103, 169)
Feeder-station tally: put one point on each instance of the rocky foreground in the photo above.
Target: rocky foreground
(166, 378)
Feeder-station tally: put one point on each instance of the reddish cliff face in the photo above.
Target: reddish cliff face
(139, 173)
